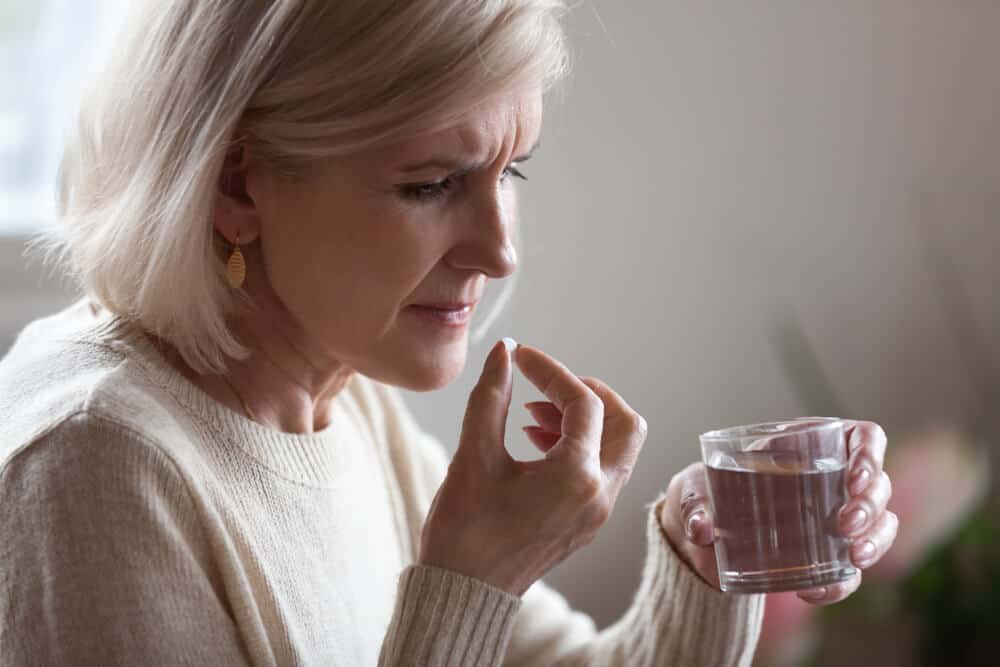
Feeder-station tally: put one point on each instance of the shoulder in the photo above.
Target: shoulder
(69, 392)
(103, 543)
(86, 457)
(88, 486)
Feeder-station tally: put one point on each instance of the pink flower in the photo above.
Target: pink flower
(787, 635)
(938, 478)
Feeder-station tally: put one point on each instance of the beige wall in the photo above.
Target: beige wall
(715, 169)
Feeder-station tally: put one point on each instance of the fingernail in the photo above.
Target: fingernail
(510, 344)
(855, 520)
(865, 552)
(815, 593)
(694, 522)
(859, 480)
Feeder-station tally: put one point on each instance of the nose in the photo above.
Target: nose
(486, 243)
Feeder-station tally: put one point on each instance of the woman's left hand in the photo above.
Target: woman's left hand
(687, 521)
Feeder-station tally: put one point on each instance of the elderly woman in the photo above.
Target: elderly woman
(280, 210)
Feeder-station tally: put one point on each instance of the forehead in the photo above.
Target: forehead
(505, 125)
(496, 124)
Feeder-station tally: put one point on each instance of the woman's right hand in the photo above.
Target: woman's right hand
(508, 522)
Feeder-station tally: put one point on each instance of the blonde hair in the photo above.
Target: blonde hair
(297, 81)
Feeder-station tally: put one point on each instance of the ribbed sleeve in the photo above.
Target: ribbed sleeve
(676, 618)
(443, 618)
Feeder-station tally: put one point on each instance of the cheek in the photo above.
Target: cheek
(350, 271)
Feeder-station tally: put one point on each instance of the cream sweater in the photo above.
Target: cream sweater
(143, 523)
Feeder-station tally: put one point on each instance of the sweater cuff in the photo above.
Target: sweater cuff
(697, 624)
(443, 617)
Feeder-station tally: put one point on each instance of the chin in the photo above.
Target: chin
(434, 377)
(422, 374)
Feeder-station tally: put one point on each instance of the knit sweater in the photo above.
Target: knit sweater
(144, 523)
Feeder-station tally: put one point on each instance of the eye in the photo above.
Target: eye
(512, 170)
(426, 191)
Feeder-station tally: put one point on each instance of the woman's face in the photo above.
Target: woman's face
(381, 257)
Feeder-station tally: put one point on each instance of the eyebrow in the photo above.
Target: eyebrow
(446, 163)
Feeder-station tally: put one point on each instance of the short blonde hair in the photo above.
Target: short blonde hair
(296, 80)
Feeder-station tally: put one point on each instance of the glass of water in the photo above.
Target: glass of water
(776, 490)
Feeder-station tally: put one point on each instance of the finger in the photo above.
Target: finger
(484, 424)
(869, 548)
(866, 444)
(582, 410)
(541, 438)
(546, 414)
(824, 595)
(624, 430)
(865, 509)
(694, 508)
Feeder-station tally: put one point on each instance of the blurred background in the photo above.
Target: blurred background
(742, 211)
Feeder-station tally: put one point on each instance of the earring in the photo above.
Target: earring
(236, 267)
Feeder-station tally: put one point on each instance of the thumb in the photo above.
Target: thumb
(485, 424)
(696, 513)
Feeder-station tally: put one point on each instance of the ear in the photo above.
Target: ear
(235, 210)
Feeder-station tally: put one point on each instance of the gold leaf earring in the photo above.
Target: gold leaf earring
(236, 267)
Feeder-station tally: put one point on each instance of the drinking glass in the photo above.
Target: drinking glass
(776, 489)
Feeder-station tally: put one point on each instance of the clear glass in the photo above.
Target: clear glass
(776, 490)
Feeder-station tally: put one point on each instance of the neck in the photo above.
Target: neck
(288, 382)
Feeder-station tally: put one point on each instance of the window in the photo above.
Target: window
(48, 49)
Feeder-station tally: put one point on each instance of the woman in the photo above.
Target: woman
(279, 210)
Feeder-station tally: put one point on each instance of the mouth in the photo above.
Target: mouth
(445, 314)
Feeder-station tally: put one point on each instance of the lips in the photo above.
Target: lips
(448, 313)
(447, 305)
